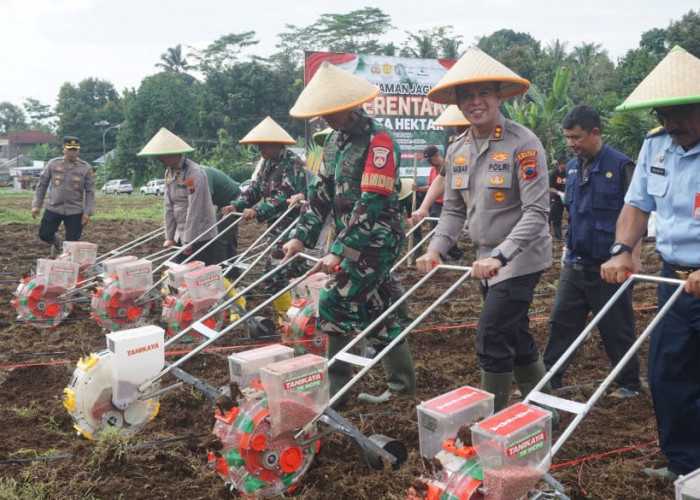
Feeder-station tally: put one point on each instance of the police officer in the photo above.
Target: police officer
(71, 196)
(187, 204)
(224, 191)
(358, 185)
(281, 175)
(496, 179)
(596, 183)
(666, 180)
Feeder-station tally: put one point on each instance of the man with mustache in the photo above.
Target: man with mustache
(667, 180)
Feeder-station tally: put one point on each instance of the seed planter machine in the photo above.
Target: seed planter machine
(471, 454)
(270, 419)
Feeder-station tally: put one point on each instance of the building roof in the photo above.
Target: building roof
(30, 137)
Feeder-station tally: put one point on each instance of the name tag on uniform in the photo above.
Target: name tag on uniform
(658, 170)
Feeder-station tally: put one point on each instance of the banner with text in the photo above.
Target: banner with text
(402, 105)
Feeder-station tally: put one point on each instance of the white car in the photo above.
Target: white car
(154, 186)
(117, 186)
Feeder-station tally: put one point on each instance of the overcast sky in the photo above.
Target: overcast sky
(46, 43)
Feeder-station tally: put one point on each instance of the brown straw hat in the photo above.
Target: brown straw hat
(476, 66)
(674, 81)
(165, 143)
(332, 90)
(452, 117)
(267, 131)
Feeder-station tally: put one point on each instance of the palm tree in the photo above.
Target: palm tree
(173, 61)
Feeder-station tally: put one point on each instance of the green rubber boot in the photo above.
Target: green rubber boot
(497, 384)
(398, 367)
(527, 378)
(403, 313)
(340, 372)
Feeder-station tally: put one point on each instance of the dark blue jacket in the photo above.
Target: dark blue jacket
(594, 206)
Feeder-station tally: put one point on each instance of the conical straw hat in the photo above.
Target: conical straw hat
(406, 188)
(332, 90)
(165, 143)
(268, 131)
(476, 66)
(452, 117)
(675, 80)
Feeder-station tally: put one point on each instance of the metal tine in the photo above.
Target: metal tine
(145, 385)
(366, 367)
(240, 258)
(260, 255)
(130, 245)
(536, 395)
(144, 297)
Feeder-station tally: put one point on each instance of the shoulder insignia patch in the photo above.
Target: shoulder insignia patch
(528, 163)
(655, 132)
(189, 182)
(379, 174)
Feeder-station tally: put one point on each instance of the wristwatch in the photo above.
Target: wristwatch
(617, 248)
(497, 254)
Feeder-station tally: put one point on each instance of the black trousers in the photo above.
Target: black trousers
(213, 254)
(50, 222)
(556, 213)
(578, 293)
(503, 338)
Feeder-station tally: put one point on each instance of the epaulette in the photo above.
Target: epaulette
(655, 132)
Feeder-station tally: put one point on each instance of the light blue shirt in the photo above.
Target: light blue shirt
(667, 179)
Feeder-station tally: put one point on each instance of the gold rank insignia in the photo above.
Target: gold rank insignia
(497, 180)
(460, 160)
(661, 158)
(459, 182)
(608, 175)
(497, 132)
(499, 196)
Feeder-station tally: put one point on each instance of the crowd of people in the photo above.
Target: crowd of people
(493, 178)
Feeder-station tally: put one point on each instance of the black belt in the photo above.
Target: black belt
(581, 267)
(680, 272)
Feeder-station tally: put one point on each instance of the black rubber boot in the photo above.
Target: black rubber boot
(340, 372)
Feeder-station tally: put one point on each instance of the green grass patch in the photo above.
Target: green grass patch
(15, 208)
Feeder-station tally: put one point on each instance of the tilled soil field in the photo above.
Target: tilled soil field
(41, 456)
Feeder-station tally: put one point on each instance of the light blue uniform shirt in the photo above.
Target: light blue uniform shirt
(667, 179)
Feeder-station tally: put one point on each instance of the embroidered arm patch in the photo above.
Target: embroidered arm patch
(379, 175)
(528, 164)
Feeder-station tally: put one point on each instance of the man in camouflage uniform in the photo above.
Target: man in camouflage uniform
(187, 205)
(281, 175)
(71, 187)
(357, 184)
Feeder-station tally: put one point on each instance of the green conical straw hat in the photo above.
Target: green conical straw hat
(674, 81)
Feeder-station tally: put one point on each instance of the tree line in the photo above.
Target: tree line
(211, 97)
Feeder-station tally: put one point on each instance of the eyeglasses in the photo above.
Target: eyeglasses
(673, 112)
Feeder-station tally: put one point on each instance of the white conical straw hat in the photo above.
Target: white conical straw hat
(476, 66)
(332, 90)
(165, 143)
(452, 117)
(268, 131)
(406, 188)
(675, 80)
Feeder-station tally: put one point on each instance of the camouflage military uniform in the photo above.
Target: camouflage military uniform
(357, 184)
(276, 182)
